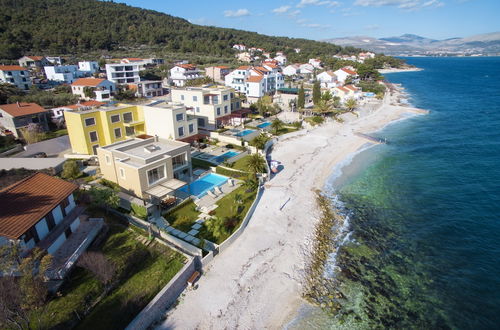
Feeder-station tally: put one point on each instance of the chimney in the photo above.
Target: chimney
(18, 105)
(156, 138)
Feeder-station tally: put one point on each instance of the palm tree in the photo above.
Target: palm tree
(250, 183)
(351, 104)
(277, 125)
(256, 164)
(323, 107)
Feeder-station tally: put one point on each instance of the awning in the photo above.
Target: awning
(191, 139)
(165, 188)
(235, 114)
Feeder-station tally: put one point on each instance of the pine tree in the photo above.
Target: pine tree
(301, 98)
(316, 92)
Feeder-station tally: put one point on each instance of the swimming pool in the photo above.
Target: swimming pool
(245, 132)
(223, 157)
(264, 125)
(200, 187)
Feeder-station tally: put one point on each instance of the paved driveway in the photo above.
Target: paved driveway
(52, 147)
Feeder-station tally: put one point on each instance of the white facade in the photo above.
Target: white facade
(56, 60)
(169, 121)
(291, 70)
(327, 79)
(306, 68)
(63, 73)
(315, 63)
(343, 73)
(282, 60)
(123, 73)
(179, 74)
(150, 88)
(103, 88)
(89, 67)
(240, 47)
(255, 81)
(15, 75)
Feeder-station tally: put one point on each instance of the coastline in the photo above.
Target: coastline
(257, 283)
(394, 70)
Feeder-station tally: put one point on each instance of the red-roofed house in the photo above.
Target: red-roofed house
(217, 73)
(180, 73)
(328, 79)
(103, 89)
(40, 210)
(15, 75)
(33, 62)
(343, 73)
(58, 113)
(18, 115)
(255, 82)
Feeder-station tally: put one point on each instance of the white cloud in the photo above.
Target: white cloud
(281, 10)
(304, 3)
(402, 4)
(237, 13)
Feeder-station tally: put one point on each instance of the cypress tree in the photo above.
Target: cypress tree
(316, 92)
(301, 98)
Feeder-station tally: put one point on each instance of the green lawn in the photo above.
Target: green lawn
(285, 130)
(140, 274)
(54, 134)
(183, 217)
(241, 164)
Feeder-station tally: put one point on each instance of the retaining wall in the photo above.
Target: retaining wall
(9, 152)
(164, 299)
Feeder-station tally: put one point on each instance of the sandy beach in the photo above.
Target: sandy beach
(256, 283)
(395, 70)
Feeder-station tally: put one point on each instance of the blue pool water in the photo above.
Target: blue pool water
(225, 156)
(245, 132)
(264, 125)
(200, 187)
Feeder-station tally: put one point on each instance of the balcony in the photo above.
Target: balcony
(133, 123)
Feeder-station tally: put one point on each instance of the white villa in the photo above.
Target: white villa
(315, 63)
(15, 75)
(121, 73)
(63, 73)
(103, 89)
(343, 73)
(180, 73)
(306, 68)
(255, 82)
(328, 79)
(281, 58)
(88, 67)
(291, 70)
(240, 47)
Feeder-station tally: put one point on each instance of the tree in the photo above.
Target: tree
(277, 126)
(7, 91)
(238, 200)
(301, 98)
(32, 133)
(102, 62)
(97, 263)
(250, 183)
(104, 197)
(217, 227)
(23, 298)
(125, 94)
(351, 104)
(316, 92)
(89, 92)
(71, 170)
(256, 164)
(264, 104)
(260, 141)
(323, 107)
(199, 81)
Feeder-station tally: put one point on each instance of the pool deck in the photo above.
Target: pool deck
(207, 201)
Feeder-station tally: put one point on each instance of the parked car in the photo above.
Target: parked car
(40, 154)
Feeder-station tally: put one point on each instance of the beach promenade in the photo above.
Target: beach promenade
(256, 283)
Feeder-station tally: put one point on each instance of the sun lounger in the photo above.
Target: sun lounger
(211, 193)
(193, 279)
(218, 189)
(231, 182)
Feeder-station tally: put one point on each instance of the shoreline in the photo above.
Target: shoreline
(257, 283)
(394, 70)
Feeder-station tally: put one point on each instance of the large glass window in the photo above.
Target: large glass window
(118, 133)
(181, 131)
(191, 128)
(179, 160)
(156, 174)
(179, 117)
(127, 117)
(195, 98)
(89, 121)
(129, 131)
(115, 118)
(225, 97)
(93, 136)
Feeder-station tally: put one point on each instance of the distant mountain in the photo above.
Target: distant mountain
(411, 44)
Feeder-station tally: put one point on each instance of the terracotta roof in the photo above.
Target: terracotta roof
(351, 87)
(271, 65)
(87, 82)
(254, 78)
(85, 104)
(349, 71)
(133, 59)
(27, 201)
(35, 58)
(187, 66)
(243, 67)
(11, 68)
(21, 109)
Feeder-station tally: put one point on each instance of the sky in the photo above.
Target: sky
(324, 19)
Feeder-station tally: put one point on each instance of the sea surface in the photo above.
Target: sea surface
(423, 211)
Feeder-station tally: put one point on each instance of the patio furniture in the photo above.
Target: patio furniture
(212, 194)
(231, 182)
(218, 189)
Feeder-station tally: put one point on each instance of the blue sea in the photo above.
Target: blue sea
(423, 250)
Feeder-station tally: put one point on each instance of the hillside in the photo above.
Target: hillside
(75, 26)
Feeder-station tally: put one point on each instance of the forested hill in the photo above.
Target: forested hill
(78, 26)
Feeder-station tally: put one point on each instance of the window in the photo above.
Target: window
(122, 173)
(127, 117)
(181, 131)
(197, 109)
(115, 118)
(129, 131)
(108, 160)
(64, 204)
(179, 117)
(49, 218)
(237, 105)
(182, 97)
(201, 122)
(191, 128)
(215, 99)
(179, 160)
(232, 95)
(225, 97)
(89, 121)
(195, 98)
(93, 136)
(225, 109)
(156, 174)
(118, 133)
(218, 111)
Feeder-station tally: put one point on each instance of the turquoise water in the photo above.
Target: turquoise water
(264, 125)
(225, 156)
(245, 132)
(423, 247)
(200, 187)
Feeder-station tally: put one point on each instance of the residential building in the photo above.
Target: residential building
(211, 106)
(282, 60)
(344, 73)
(63, 73)
(287, 98)
(328, 79)
(217, 73)
(316, 63)
(19, 115)
(306, 68)
(54, 60)
(147, 88)
(89, 129)
(88, 67)
(57, 114)
(240, 47)
(255, 82)
(244, 57)
(15, 75)
(33, 62)
(171, 121)
(346, 92)
(150, 168)
(123, 73)
(40, 211)
(291, 70)
(180, 73)
(103, 89)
